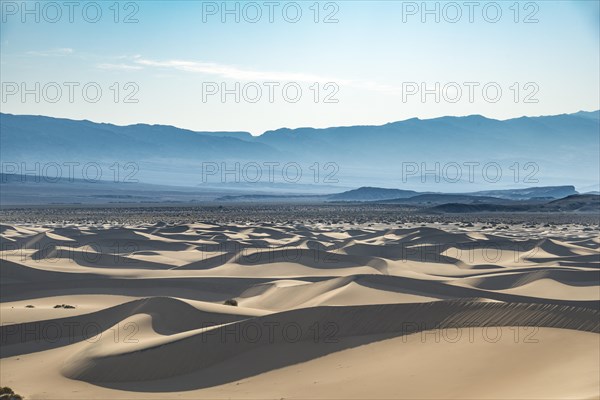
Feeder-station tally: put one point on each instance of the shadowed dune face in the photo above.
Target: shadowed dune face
(317, 307)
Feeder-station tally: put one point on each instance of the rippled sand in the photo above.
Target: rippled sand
(324, 311)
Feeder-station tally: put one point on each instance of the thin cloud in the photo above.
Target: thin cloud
(120, 67)
(235, 73)
(241, 74)
(63, 51)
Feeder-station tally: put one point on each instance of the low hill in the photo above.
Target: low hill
(373, 194)
(576, 203)
(581, 203)
(443, 198)
(553, 192)
(489, 196)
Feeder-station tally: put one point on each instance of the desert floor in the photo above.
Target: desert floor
(325, 310)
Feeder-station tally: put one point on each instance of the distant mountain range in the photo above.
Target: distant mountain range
(27, 190)
(415, 154)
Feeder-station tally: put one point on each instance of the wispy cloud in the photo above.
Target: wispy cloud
(243, 74)
(236, 73)
(120, 67)
(63, 51)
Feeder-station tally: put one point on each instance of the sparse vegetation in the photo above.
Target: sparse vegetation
(29, 306)
(64, 306)
(7, 393)
(231, 302)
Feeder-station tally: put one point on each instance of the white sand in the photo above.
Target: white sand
(376, 312)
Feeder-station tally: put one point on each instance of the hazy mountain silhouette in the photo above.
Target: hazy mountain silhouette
(407, 196)
(586, 203)
(372, 194)
(563, 149)
(548, 192)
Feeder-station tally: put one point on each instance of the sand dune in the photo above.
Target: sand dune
(185, 354)
(323, 311)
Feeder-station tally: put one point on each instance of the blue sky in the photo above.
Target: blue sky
(371, 66)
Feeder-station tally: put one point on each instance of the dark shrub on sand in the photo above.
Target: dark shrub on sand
(7, 393)
(64, 306)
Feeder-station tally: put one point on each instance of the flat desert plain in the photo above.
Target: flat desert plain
(98, 310)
